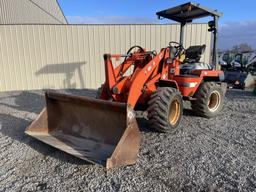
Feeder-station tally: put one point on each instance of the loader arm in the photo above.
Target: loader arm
(114, 76)
(142, 77)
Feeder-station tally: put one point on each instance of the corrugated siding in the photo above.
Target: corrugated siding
(71, 56)
(30, 11)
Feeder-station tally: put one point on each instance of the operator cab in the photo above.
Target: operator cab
(184, 14)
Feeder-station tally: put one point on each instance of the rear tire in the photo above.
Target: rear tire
(165, 109)
(209, 100)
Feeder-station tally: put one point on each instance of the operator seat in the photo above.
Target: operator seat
(192, 60)
(194, 53)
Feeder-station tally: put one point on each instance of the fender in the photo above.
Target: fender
(168, 83)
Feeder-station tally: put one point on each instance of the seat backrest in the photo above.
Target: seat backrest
(194, 53)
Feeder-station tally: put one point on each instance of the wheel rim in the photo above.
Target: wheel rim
(174, 112)
(214, 101)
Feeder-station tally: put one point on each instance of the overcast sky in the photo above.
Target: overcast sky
(238, 24)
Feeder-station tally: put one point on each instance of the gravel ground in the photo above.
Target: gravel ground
(205, 155)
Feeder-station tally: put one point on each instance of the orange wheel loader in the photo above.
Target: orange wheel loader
(104, 130)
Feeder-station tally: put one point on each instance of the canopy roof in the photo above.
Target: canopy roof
(187, 12)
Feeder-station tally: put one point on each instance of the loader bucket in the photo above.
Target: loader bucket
(95, 130)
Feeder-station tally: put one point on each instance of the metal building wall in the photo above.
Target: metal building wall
(31, 12)
(71, 56)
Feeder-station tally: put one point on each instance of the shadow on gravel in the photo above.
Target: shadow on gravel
(34, 102)
(27, 101)
(189, 112)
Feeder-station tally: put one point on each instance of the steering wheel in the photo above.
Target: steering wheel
(178, 48)
(140, 49)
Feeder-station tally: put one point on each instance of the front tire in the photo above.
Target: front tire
(165, 109)
(209, 100)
